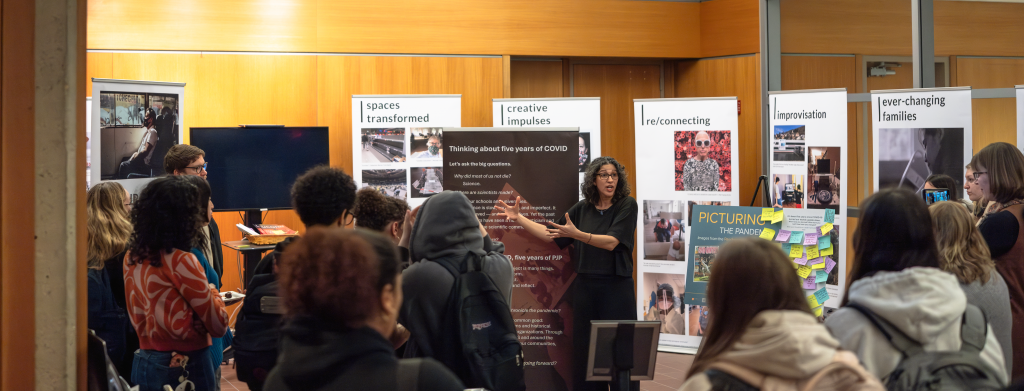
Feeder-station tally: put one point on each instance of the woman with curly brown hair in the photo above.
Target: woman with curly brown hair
(963, 252)
(342, 291)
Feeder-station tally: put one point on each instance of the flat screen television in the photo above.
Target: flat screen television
(254, 168)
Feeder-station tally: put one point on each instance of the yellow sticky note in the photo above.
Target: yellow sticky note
(812, 252)
(796, 251)
(777, 218)
(767, 214)
(767, 234)
(819, 265)
(828, 251)
(812, 301)
(796, 265)
(825, 228)
(803, 271)
(817, 311)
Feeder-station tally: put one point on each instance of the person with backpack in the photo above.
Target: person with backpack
(902, 314)
(765, 335)
(601, 229)
(342, 291)
(451, 254)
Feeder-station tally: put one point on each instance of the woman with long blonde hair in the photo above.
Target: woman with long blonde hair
(109, 230)
(963, 252)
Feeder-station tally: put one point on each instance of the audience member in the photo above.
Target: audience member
(999, 176)
(896, 276)
(977, 208)
(171, 305)
(943, 181)
(446, 230)
(217, 345)
(184, 159)
(377, 212)
(342, 291)
(323, 196)
(963, 252)
(109, 229)
(766, 329)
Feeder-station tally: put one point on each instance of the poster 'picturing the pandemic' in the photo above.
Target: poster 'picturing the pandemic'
(919, 133)
(134, 124)
(499, 164)
(398, 143)
(583, 113)
(686, 154)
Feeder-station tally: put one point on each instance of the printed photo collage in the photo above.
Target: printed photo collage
(402, 162)
(803, 176)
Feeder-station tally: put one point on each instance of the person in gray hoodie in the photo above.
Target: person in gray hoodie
(896, 275)
(445, 227)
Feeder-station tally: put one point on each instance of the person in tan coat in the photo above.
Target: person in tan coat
(765, 334)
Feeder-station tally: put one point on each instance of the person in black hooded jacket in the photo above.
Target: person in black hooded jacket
(342, 291)
(445, 227)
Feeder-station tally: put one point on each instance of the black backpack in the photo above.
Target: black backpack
(949, 370)
(479, 341)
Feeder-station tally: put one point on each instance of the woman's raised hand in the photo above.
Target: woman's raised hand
(510, 213)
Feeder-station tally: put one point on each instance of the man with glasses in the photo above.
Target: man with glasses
(700, 173)
(184, 159)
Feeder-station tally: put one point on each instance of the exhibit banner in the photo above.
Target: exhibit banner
(132, 128)
(398, 143)
(539, 165)
(807, 236)
(1020, 115)
(685, 153)
(583, 113)
(809, 160)
(918, 133)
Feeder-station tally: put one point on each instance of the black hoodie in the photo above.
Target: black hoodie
(446, 227)
(318, 356)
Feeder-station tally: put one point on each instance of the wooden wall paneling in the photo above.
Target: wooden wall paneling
(536, 79)
(953, 71)
(978, 28)
(733, 76)
(506, 76)
(533, 27)
(566, 78)
(98, 65)
(993, 119)
(182, 68)
(729, 27)
(814, 72)
(239, 25)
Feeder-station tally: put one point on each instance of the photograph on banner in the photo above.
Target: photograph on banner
(918, 133)
(703, 160)
(788, 144)
(788, 191)
(427, 181)
(664, 234)
(383, 145)
(400, 136)
(824, 178)
(584, 151)
(662, 301)
(690, 204)
(137, 130)
(697, 320)
(426, 144)
(908, 156)
(390, 182)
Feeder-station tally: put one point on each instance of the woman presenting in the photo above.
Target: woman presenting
(601, 229)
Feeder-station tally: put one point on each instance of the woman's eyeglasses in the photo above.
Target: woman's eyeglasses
(605, 176)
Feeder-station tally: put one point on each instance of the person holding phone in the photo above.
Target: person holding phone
(600, 228)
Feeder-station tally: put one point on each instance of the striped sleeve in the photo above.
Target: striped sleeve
(191, 282)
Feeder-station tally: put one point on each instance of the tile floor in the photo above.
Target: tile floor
(668, 374)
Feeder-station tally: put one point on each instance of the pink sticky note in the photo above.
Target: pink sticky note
(814, 261)
(809, 283)
(783, 236)
(810, 238)
(801, 261)
(829, 264)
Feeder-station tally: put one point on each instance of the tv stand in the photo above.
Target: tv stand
(251, 253)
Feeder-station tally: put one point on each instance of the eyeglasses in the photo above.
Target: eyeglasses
(199, 168)
(977, 174)
(605, 176)
(702, 143)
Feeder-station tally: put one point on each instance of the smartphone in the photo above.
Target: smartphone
(932, 196)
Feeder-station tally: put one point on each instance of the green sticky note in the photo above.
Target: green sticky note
(821, 295)
(821, 276)
(830, 216)
(796, 237)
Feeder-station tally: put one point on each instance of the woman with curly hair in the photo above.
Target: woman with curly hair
(173, 308)
(108, 231)
(963, 252)
(600, 227)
